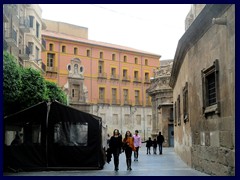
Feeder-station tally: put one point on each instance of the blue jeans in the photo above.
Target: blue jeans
(160, 148)
(136, 153)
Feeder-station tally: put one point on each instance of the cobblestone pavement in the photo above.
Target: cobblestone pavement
(167, 164)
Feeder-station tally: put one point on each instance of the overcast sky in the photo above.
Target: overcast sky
(155, 28)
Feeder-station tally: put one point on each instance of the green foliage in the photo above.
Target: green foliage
(11, 83)
(24, 87)
(33, 87)
(55, 93)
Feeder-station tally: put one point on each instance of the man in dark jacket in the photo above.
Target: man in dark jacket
(160, 140)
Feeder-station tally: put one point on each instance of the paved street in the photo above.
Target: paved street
(167, 164)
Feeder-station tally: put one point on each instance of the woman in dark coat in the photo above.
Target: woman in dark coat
(115, 145)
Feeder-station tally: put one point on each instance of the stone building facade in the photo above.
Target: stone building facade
(203, 82)
(104, 79)
(22, 26)
(162, 103)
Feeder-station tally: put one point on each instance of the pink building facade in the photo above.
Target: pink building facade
(103, 79)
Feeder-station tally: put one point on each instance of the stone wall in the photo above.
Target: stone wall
(125, 118)
(207, 143)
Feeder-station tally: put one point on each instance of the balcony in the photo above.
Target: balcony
(6, 13)
(147, 81)
(114, 77)
(116, 101)
(10, 37)
(127, 102)
(43, 44)
(126, 78)
(138, 103)
(24, 24)
(102, 75)
(51, 69)
(137, 80)
(103, 101)
(24, 52)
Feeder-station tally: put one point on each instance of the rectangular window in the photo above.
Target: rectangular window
(210, 89)
(50, 47)
(88, 53)
(178, 111)
(75, 51)
(147, 77)
(175, 113)
(124, 73)
(14, 35)
(37, 29)
(30, 45)
(113, 73)
(136, 60)
(125, 96)
(136, 75)
(137, 99)
(114, 96)
(63, 49)
(185, 103)
(77, 136)
(113, 57)
(73, 93)
(101, 55)
(124, 58)
(101, 94)
(31, 18)
(50, 59)
(146, 62)
(100, 67)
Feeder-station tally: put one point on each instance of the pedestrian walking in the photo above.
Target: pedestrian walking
(155, 146)
(128, 145)
(115, 145)
(160, 140)
(149, 145)
(137, 144)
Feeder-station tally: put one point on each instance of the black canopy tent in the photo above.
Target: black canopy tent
(55, 136)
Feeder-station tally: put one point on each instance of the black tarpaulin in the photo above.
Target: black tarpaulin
(54, 136)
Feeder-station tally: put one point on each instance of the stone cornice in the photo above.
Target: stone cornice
(197, 29)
